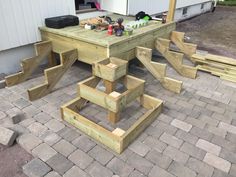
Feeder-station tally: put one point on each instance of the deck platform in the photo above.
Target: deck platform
(96, 45)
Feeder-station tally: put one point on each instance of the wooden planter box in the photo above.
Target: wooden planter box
(110, 69)
(119, 139)
(115, 101)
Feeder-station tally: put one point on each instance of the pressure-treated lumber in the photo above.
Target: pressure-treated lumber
(43, 50)
(119, 139)
(53, 75)
(171, 11)
(175, 59)
(187, 48)
(158, 70)
(134, 85)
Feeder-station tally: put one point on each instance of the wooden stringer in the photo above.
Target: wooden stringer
(158, 70)
(53, 75)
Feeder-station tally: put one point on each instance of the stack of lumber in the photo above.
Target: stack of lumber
(223, 67)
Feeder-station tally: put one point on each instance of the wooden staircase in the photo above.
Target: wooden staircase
(53, 75)
(158, 70)
(175, 58)
(42, 50)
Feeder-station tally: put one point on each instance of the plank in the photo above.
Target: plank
(42, 49)
(158, 70)
(53, 75)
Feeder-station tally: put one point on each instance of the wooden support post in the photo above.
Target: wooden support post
(110, 86)
(53, 75)
(171, 12)
(43, 50)
(113, 117)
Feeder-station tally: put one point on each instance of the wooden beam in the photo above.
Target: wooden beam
(158, 70)
(43, 50)
(53, 75)
(171, 11)
(175, 59)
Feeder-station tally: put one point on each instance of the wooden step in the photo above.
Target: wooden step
(43, 50)
(187, 48)
(53, 75)
(175, 59)
(158, 70)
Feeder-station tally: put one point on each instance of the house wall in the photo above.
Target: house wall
(19, 24)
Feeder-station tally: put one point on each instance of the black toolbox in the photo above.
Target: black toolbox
(62, 21)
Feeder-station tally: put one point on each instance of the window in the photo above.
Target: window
(185, 11)
(85, 6)
(202, 6)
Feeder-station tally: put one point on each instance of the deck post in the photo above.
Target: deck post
(171, 12)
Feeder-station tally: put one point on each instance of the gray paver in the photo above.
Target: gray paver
(139, 148)
(159, 159)
(136, 173)
(180, 170)
(119, 167)
(176, 155)
(36, 168)
(200, 167)
(42, 117)
(84, 143)
(55, 125)
(28, 141)
(59, 163)
(155, 144)
(141, 164)
(186, 137)
(75, 172)
(21, 103)
(159, 172)
(171, 140)
(37, 128)
(193, 151)
(44, 152)
(209, 147)
(50, 137)
(52, 174)
(64, 147)
(68, 134)
(7, 136)
(81, 159)
(97, 170)
(101, 155)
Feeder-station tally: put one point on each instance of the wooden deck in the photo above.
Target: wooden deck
(93, 46)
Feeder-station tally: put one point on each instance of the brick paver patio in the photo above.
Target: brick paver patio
(194, 136)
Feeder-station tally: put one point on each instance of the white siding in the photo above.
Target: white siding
(116, 6)
(20, 19)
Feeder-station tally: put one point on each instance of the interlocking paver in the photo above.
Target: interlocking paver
(159, 159)
(84, 143)
(217, 162)
(55, 125)
(119, 167)
(201, 133)
(181, 125)
(154, 143)
(7, 136)
(193, 151)
(64, 147)
(44, 152)
(139, 148)
(176, 155)
(200, 167)
(228, 155)
(224, 143)
(59, 163)
(186, 136)
(50, 137)
(28, 141)
(76, 172)
(209, 147)
(81, 159)
(195, 122)
(36, 167)
(97, 170)
(52, 174)
(139, 163)
(42, 117)
(37, 128)
(136, 173)
(209, 120)
(216, 131)
(171, 140)
(101, 155)
(159, 172)
(227, 127)
(232, 169)
(68, 134)
(180, 170)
